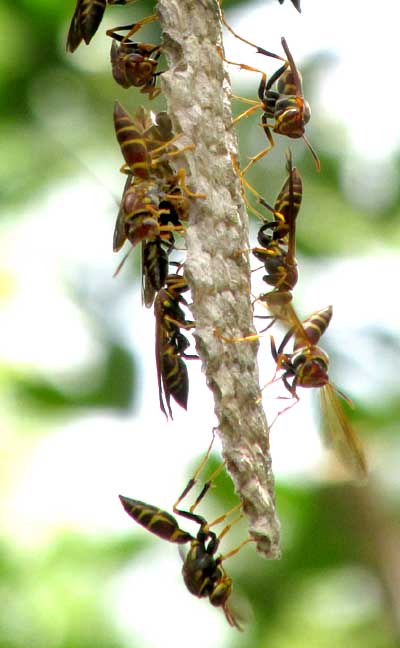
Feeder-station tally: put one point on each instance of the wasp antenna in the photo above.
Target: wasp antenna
(313, 153)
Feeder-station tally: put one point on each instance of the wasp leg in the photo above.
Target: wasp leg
(265, 151)
(251, 102)
(181, 174)
(246, 338)
(260, 50)
(250, 187)
(132, 28)
(286, 409)
(236, 549)
(223, 517)
(192, 481)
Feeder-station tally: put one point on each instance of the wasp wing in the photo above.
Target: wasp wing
(119, 237)
(340, 435)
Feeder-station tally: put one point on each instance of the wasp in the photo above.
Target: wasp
(296, 4)
(307, 366)
(174, 208)
(140, 214)
(175, 191)
(135, 64)
(203, 571)
(155, 200)
(155, 266)
(138, 159)
(140, 149)
(149, 180)
(171, 343)
(277, 239)
(86, 19)
(286, 105)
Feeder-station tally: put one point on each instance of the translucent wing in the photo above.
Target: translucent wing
(340, 435)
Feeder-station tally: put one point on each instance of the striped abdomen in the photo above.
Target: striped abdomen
(174, 374)
(154, 269)
(310, 363)
(288, 201)
(85, 22)
(155, 520)
(315, 326)
(132, 143)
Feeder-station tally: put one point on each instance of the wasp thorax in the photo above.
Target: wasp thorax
(289, 117)
(199, 571)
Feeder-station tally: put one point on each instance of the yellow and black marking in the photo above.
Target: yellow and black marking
(135, 64)
(277, 239)
(154, 267)
(87, 17)
(286, 105)
(156, 520)
(171, 343)
(307, 366)
(133, 146)
(202, 570)
(316, 324)
(288, 203)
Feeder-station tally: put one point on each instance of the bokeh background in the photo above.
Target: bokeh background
(79, 405)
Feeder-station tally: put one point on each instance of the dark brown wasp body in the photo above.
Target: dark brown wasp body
(174, 208)
(155, 201)
(203, 572)
(307, 366)
(155, 264)
(141, 149)
(171, 343)
(277, 239)
(86, 19)
(141, 217)
(138, 159)
(134, 64)
(286, 105)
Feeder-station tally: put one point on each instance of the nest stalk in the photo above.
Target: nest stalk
(197, 90)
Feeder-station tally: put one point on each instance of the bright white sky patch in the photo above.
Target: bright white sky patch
(359, 88)
(157, 584)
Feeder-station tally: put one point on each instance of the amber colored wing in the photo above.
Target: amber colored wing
(340, 435)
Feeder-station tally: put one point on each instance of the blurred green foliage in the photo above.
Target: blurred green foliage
(333, 586)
